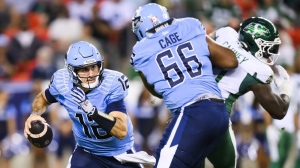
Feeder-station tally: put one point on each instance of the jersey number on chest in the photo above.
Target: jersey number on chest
(96, 130)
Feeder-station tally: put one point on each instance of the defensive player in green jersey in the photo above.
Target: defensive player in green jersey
(256, 48)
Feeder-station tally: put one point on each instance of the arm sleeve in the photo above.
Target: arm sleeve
(49, 96)
(116, 106)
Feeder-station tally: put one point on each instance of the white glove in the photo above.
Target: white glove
(283, 81)
(81, 99)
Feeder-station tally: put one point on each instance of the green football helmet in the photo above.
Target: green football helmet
(260, 37)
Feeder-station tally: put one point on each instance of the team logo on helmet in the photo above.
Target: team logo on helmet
(154, 20)
(257, 29)
(136, 22)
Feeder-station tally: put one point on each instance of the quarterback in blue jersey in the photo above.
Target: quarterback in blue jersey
(94, 99)
(174, 58)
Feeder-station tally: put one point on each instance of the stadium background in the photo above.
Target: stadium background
(35, 34)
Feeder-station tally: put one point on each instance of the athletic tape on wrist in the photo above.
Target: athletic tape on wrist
(34, 112)
(105, 121)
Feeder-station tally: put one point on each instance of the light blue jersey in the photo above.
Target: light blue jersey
(176, 61)
(86, 131)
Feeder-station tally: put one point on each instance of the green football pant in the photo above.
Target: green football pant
(224, 154)
(283, 146)
(297, 162)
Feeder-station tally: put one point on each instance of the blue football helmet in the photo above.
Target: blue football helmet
(82, 54)
(146, 17)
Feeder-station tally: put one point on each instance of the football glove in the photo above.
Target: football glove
(80, 97)
(283, 81)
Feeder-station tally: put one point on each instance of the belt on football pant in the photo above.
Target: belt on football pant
(211, 97)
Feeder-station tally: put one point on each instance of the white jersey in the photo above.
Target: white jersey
(234, 83)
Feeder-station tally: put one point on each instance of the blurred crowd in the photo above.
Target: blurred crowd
(35, 34)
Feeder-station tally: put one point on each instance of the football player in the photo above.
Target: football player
(174, 60)
(256, 48)
(94, 99)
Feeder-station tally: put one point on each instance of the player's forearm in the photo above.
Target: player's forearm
(274, 104)
(285, 102)
(120, 129)
(40, 104)
(221, 56)
(114, 124)
(279, 107)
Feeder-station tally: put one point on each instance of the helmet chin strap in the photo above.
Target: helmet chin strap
(90, 85)
(268, 61)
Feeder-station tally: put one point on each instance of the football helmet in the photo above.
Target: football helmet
(148, 16)
(260, 36)
(82, 54)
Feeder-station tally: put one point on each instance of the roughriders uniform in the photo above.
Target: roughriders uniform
(249, 72)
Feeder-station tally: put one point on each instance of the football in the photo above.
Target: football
(41, 134)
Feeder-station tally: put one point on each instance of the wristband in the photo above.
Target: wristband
(105, 121)
(34, 112)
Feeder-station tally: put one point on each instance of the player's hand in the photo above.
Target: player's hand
(80, 97)
(31, 118)
(283, 81)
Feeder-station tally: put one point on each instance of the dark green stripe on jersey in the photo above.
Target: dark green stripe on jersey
(220, 76)
(247, 82)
